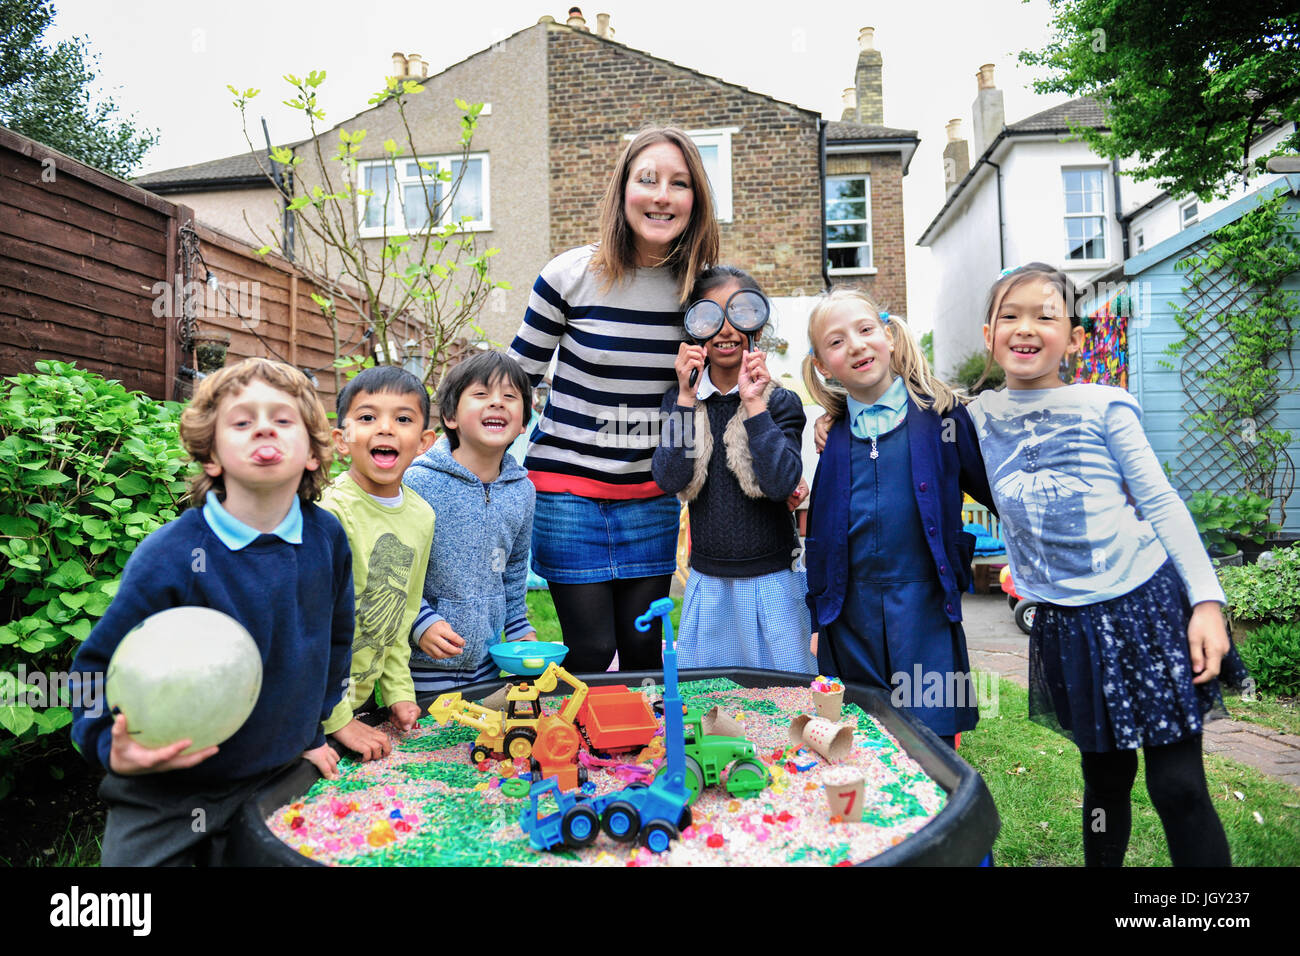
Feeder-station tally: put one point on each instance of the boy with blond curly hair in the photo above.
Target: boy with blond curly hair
(255, 546)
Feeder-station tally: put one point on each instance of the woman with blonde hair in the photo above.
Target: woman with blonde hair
(604, 534)
(886, 554)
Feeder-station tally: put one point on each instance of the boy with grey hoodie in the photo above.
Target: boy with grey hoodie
(475, 588)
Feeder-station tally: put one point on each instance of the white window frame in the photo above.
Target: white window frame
(1092, 214)
(723, 209)
(870, 268)
(1183, 221)
(438, 163)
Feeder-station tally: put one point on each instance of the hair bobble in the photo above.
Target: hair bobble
(884, 317)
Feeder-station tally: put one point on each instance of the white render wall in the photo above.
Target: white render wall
(966, 263)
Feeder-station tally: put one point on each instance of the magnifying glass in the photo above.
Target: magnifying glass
(747, 310)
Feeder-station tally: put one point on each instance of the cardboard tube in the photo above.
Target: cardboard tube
(828, 705)
(716, 722)
(832, 741)
(846, 790)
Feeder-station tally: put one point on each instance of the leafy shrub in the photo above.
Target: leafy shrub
(87, 470)
(1268, 591)
(1224, 521)
(969, 370)
(1272, 655)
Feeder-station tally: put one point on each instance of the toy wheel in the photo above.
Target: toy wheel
(1012, 601)
(562, 742)
(516, 787)
(519, 742)
(1026, 611)
(478, 754)
(746, 778)
(658, 836)
(580, 826)
(621, 821)
(694, 778)
(582, 775)
(658, 706)
(686, 818)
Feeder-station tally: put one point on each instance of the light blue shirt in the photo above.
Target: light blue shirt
(236, 535)
(1061, 463)
(872, 421)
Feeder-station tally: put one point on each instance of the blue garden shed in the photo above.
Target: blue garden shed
(1172, 388)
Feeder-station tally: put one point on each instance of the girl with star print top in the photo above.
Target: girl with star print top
(1128, 637)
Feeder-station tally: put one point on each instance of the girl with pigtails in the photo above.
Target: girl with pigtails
(887, 559)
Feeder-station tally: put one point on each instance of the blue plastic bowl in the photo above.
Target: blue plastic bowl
(527, 658)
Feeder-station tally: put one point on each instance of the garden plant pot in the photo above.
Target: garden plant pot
(210, 350)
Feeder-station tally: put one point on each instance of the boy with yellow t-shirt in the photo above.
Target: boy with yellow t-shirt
(382, 425)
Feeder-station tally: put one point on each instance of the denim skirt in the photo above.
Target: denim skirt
(580, 540)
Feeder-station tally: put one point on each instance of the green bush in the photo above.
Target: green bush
(1227, 521)
(1272, 655)
(970, 369)
(1267, 591)
(87, 470)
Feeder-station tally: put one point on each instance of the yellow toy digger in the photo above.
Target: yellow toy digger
(513, 732)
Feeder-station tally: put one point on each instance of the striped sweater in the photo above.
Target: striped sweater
(616, 351)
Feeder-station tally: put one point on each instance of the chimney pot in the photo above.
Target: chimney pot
(414, 63)
(866, 38)
(576, 19)
(849, 98)
(985, 77)
(602, 25)
(546, 18)
(399, 64)
(954, 130)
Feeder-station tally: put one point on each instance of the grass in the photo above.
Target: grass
(1034, 777)
(541, 614)
(78, 845)
(1280, 713)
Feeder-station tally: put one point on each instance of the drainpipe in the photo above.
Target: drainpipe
(1002, 255)
(821, 182)
(285, 183)
(1123, 222)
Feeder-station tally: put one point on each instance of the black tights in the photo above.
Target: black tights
(598, 619)
(1176, 783)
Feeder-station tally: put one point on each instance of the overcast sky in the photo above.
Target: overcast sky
(168, 62)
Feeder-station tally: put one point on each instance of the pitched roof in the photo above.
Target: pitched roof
(838, 131)
(1081, 111)
(239, 170)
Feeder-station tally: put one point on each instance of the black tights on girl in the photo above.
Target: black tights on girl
(598, 619)
(1176, 783)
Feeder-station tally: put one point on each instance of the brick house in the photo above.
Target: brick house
(562, 101)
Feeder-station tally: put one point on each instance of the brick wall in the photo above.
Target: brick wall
(889, 285)
(601, 91)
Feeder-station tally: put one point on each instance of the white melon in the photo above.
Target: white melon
(185, 672)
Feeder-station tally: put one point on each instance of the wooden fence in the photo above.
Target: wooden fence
(98, 272)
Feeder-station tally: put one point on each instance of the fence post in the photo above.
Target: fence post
(171, 365)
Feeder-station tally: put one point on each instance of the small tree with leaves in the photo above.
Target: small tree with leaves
(429, 284)
(1186, 87)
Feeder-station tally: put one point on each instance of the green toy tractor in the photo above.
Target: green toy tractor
(708, 755)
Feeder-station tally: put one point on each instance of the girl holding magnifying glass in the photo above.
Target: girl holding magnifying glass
(604, 534)
(730, 446)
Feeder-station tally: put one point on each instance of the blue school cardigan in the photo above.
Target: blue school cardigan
(945, 462)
